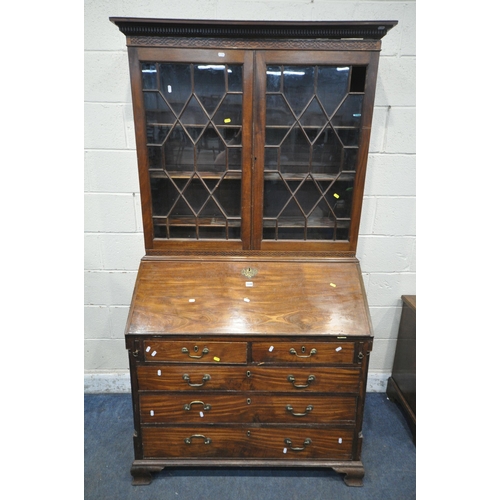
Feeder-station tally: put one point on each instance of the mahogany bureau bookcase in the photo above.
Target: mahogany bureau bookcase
(249, 332)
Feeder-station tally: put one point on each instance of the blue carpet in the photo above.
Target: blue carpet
(389, 458)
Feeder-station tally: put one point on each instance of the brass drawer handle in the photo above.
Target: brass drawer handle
(307, 410)
(310, 379)
(206, 439)
(288, 442)
(187, 406)
(204, 379)
(185, 350)
(312, 353)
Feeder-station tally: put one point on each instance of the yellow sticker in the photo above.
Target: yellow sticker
(216, 358)
(227, 120)
(335, 195)
(333, 284)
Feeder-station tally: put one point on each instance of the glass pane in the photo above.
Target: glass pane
(234, 232)
(349, 113)
(211, 152)
(194, 132)
(229, 112)
(270, 159)
(320, 233)
(156, 134)
(149, 76)
(210, 84)
(348, 136)
(230, 135)
(291, 233)
(212, 232)
(196, 194)
(160, 231)
(278, 112)
(269, 233)
(313, 116)
(179, 151)
(291, 211)
(175, 84)
(273, 76)
(234, 159)
(155, 157)
(228, 195)
(234, 78)
(332, 86)
(193, 114)
(274, 135)
(350, 159)
(295, 152)
(339, 196)
(276, 195)
(342, 233)
(183, 232)
(181, 209)
(321, 215)
(211, 211)
(163, 193)
(298, 86)
(327, 153)
(157, 110)
(308, 195)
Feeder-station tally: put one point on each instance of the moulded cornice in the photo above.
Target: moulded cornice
(371, 30)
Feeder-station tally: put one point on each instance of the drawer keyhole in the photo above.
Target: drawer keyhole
(303, 350)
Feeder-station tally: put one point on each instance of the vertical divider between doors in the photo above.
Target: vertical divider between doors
(247, 151)
(259, 132)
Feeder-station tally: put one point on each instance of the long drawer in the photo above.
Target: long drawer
(246, 408)
(272, 443)
(303, 352)
(278, 379)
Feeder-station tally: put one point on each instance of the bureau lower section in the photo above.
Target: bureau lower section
(273, 402)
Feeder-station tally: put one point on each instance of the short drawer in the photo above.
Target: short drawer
(247, 408)
(303, 352)
(192, 351)
(259, 378)
(271, 443)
